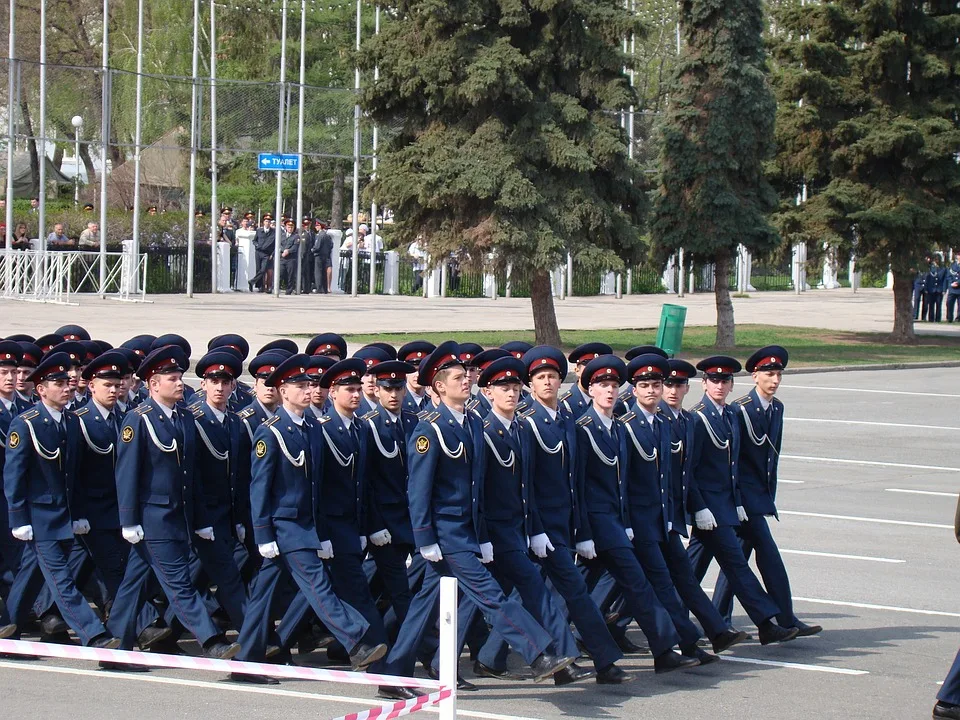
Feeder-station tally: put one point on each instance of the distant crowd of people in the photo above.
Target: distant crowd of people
(931, 284)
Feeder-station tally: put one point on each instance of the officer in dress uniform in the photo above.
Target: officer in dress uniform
(602, 473)
(371, 356)
(413, 353)
(11, 357)
(715, 499)
(391, 535)
(46, 343)
(468, 353)
(242, 394)
(478, 403)
(574, 401)
(319, 395)
(140, 346)
(329, 344)
(760, 417)
(39, 475)
(181, 342)
(76, 352)
(446, 454)
(72, 332)
(222, 478)
(31, 356)
(626, 400)
(680, 422)
(284, 344)
(158, 505)
(289, 525)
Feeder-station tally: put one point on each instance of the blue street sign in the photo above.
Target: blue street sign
(274, 162)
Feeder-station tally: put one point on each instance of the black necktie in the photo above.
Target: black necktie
(177, 425)
(114, 421)
(62, 430)
(655, 424)
(728, 420)
(515, 432)
(769, 412)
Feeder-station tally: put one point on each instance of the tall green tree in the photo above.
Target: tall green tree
(869, 105)
(510, 139)
(716, 134)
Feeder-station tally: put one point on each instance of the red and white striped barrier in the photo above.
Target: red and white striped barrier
(404, 707)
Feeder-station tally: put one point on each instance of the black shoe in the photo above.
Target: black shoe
(14, 656)
(166, 646)
(612, 675)
(571, 674)
(150, 636)
(627, 647)
(7, 630)
(52, 624)
(804, 630)
(250, 286)
(337, 654)
(481, 670)
(546, 665)
(397, 693)
(946, 710)
(772, 633)
(670, 661)
(703, 656)
(363, 655)
(462, 684)
(220, 649)
(123, 667)
(727, 639)
(106, 641)
(253, 679)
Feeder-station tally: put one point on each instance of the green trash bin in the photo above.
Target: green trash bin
(670, 332)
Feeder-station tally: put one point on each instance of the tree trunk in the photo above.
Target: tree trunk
(336, 204)
(58, 158)
(903, 333)
(88, 164)
(32, 150)
(544, 313)
(726, 327)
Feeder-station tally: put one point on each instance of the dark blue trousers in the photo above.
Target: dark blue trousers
(722, 544)
(310, 575)
(47, 561)
(350, 583)
(218, 562)
(391, 560)
(658, 574)
(689, 588)
(168, 561)
(950, 691)
(755, 537)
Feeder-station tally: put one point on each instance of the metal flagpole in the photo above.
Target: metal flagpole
(280, 143)
(214, 204)
(356, 166)
(300, 120)
(9, 229)
(373, 176)
(194, 144)
(138, 138)
(42, 143)
(104, 144)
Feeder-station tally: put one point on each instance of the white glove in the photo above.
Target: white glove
(363, 543)
(741, 514)
(705, 520)
(431, 553)
(326, 550)
(486, 552)
(381, 538)
(241, 532)
(629, 532)
(205, 533)
(24, 532)
(133, 534)
(540, 544)
(587, 550)
(81, 527)
(269, 550)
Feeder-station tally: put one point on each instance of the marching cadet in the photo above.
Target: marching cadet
(626, 400)
(371, 356)
(714, 498)
(449, 528)
(513, 522)
(602, 471)
(574, 401)
(39, 475)
(46, 343)
(266, 399)
(550, 457)
(31, 356)
(157, 501)
(319, 395)
(329, 344)
(676, 385)
(242, 394)
(222, 480)
(11, 358)
(140, 346)
(76, 352)
(72, 333)
(760, 417)
(413, 353)
(289, 526)
(283, 344)
(517, 348)
(391, 536)
(478, 402)
(180, 342)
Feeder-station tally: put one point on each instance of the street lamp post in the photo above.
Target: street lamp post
(77, 123)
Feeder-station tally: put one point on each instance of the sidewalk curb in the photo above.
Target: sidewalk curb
(877, 366)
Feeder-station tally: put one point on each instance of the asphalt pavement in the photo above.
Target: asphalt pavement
(868, 490)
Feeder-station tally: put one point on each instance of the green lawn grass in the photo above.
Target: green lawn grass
(807, 346)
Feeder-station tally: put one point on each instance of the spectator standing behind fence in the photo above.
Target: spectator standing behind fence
(305, 254)
(246, 235)
(933, 286)
(322, 251)
(264, 243)
(289, 244)
(57, 240)
(226, 233)
(953, 289)
(21, 238)
(419, 263)
(90, 238)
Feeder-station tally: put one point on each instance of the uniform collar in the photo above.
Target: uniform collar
(8, 404)
(347, 421)
(101, 409)
(648, 416)
(168, 411)
(456, 415)
(390, 415)
(502, 419)
(55, 414)
(607, 422)
(216, 413)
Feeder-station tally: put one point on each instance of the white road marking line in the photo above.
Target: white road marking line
(876, 424)
(922, 492)
(791, 482)
(795, 666)
(863, 390)
(855, 518)
(233, 687)
(875, 463)
(871, 606)
(842, 557)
